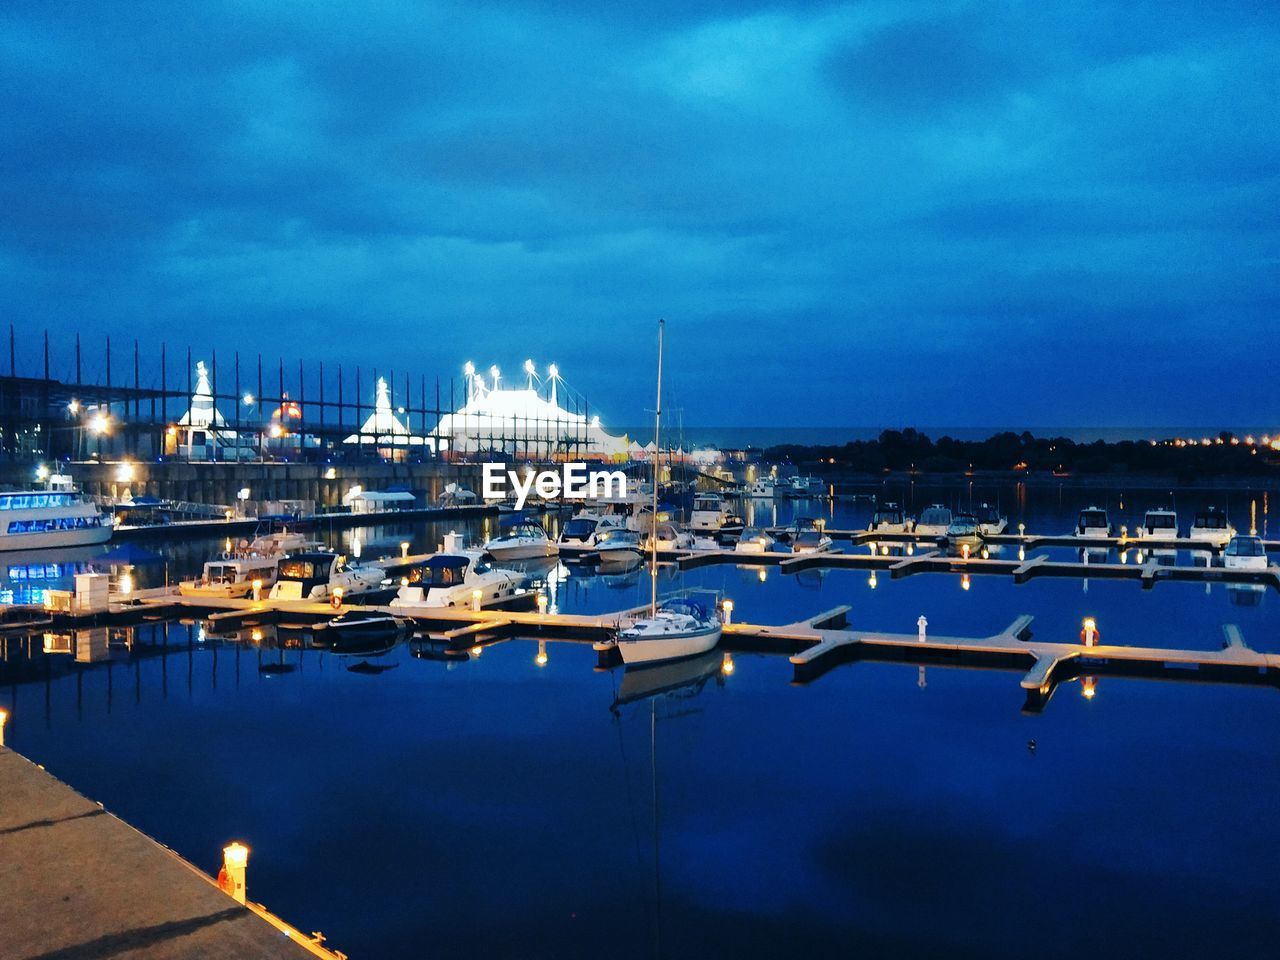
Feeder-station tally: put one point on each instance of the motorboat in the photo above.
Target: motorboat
(232, 576)
(890, 518)
(452, 580)
(1159, 524)
(754, 540)
(711, 513)
(805, 488)
(812, 540)
(763, 488)
(991, 522)
(580, 530)
(1245, 552)
(278, 541)
(365, 632)
(677, 629)
(962, 532)
(522, 540)
(933, 522)
(671, 537)
(1093, 522)
(58, 516)
(316, 575)
(1211, 526)
(617, 545)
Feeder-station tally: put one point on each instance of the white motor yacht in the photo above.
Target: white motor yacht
(315, 575)
(671, 537)
(933, 521)
(618, 545)
(991, 522)
(1159, 524)
(812, 540)
(763, 488)
(711, 514)
(1093, 522)
(232, 576)
(452, 579)
(754, 540)
(1245, 552)
(523, 540)
(890, 518)
(1211, 526)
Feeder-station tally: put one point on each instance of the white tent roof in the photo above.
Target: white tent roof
(384, 425)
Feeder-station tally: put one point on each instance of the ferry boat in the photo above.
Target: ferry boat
(1211, 526)
(678, 629)
(1159, 524)
(451, 580)
(523, 540)
(991, 522)
(58, 516)
(1093, 522)
(933, 521)
(315, 575)
(1245, 552)
(890, 518)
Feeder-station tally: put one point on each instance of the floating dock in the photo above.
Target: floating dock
(78, 883)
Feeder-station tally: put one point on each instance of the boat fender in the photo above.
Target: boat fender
(225, 883)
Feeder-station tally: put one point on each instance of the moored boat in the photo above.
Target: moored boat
(522, 540)
(1211, 526)
(933, 521)
(452, 580)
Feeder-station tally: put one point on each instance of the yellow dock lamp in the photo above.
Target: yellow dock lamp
(231, 878)
(727, 606)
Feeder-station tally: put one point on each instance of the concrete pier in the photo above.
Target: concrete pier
(76, 883)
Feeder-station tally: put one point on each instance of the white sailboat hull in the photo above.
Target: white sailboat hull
(673, 647)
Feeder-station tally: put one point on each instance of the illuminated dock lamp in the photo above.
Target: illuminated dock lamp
(1089, 635)
(126, 584)
(727, 607)
(476, 596)
(1022, 552)
(727, 665)
(1124, 532)
(1088, 687)
(542, 603)
(1022, 529)
(257, 590)
(541, 658)
(4, 719)
(884, 550)
(964, 551)
(404, 549)
(335, 598)
(235, 863)
(922, 627)
(331, 474)
(986, 554)
(911, 549)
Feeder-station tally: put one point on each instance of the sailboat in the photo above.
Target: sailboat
(680, 628)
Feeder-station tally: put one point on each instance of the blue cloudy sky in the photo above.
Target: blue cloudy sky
(962, 213)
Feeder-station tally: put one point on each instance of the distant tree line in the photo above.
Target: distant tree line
(909, 449)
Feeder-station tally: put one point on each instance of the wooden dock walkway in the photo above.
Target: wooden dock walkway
(76, 882)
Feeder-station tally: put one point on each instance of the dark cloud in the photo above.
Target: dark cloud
(849, 184)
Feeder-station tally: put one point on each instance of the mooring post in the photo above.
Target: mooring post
(235, 862)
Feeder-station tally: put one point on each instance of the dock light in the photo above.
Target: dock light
(884, 550)
(42, 472)
(235, 863)
(1124, 531)
(727, 665)
(1022, 529)
(404, 581)
(73, 407)
(1138, 556)
(871, 580)
(126, 584)
(986, 554)
(964, 582)
(727, 606)
(1089, 634)
(541, 658)
(964, 551)
(820, 523)
(335, 598)
(404, 549)
(257, 590)
(1124, 556)
(911, 549)
(542, 603)
(229, 514)
(477, 650)
(922, 626)
(1088, 687)
(4, 718)
(475, 599)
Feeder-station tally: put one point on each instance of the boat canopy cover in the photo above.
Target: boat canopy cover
(688, 607)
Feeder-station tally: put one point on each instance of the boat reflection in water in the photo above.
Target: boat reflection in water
(687, 677)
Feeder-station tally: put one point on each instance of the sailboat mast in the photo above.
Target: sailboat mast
(653, 519)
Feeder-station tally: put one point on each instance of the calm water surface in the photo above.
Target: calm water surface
(494, 807)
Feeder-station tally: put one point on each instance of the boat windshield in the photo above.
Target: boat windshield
(963, 524)
(887, 515)
(579, 528)
(709, 502)
(1246, 547)
(1159, 520)
(525, 529)
(1211, 521)
(1093, 518)
(304, 569)
(441, 572)
(220, 573)
(619, 535)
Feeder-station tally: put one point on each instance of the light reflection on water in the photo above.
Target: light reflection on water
(498, 806)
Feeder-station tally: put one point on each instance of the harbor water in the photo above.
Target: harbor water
(524, 803)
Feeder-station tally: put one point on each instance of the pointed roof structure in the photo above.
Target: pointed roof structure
(203, 414)
(384, 425)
